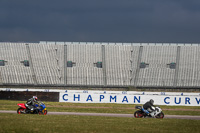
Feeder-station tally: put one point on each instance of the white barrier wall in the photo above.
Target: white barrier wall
(130, 97)
(121, 97)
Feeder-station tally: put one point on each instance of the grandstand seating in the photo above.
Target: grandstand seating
(14, 72)
(189, 66)
(157, 73)
(84, 57)
(100, 64)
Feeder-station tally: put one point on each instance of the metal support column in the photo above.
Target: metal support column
(131, 70)
(31, 64)
(177, 66)
(65, 64)
(138, 66)
(104, 65)
(1, 81)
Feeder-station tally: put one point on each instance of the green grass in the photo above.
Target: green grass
(92, 124)
(29, 123)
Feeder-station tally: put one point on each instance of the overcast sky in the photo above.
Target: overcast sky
(153, 21)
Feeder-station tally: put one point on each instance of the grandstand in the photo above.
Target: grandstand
(163, 65)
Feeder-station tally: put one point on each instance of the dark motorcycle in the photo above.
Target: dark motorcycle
(142, 113)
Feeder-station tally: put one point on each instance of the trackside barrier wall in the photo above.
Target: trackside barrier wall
(91, 96)
(130, 97)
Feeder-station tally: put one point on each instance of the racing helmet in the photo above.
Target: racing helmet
(35, 98)
(152, 101)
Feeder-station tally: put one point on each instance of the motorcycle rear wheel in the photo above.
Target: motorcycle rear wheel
(138, 114)
(19, 110)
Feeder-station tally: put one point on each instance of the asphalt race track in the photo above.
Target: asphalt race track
(110, 115)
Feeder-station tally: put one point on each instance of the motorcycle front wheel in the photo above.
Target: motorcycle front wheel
(45, 112)
(161, 115)
(138, 114)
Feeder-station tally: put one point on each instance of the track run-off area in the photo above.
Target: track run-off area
(111, 115)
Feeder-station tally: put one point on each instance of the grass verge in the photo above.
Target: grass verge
(92, 124)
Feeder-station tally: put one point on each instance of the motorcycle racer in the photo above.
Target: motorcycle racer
(31, 102)
(149, 107)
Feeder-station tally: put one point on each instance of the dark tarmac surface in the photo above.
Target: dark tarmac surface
(111, 115)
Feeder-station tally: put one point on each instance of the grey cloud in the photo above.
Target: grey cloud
(105, 20)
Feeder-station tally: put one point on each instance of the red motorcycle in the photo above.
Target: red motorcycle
(38, 109)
